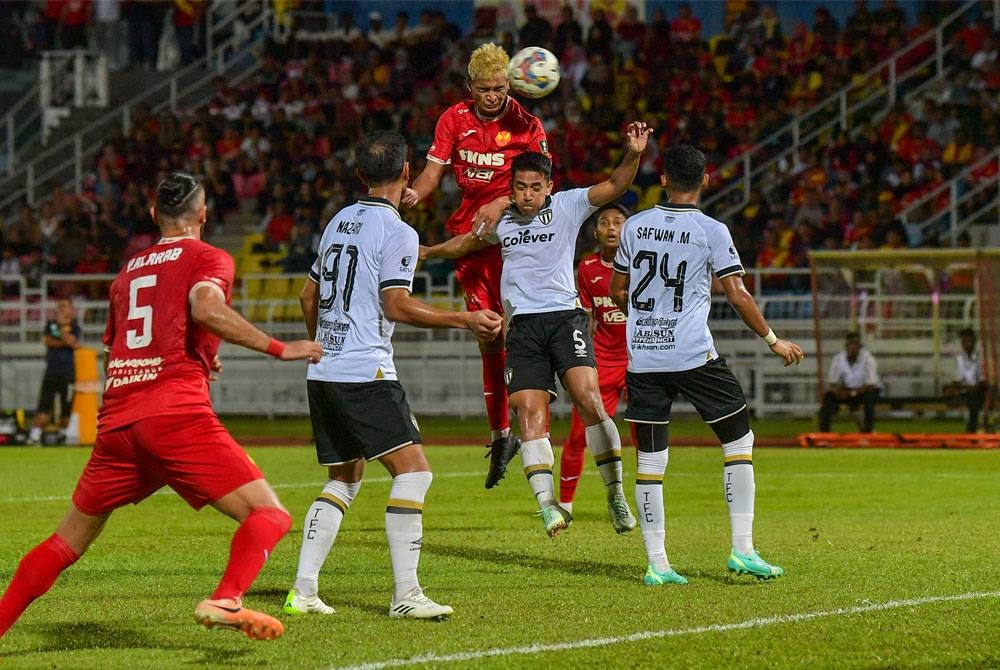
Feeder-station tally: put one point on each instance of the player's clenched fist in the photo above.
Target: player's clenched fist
(485, 324)
(299, 349)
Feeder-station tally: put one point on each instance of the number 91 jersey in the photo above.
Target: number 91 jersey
(669, 253)
(366, 248)
(159, 359)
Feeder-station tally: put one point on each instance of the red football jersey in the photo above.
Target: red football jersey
(480, 152)
(159, 358)
(593, 281)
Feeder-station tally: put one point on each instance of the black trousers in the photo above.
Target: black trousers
(831, 405)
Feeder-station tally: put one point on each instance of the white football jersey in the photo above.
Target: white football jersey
(669, 253)
(538, 274)
(366, 248)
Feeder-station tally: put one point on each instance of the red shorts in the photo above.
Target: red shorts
(478, 273)
(611, 377)
(193, 455)
(479, 276)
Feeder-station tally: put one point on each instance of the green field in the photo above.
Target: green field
(890, 556)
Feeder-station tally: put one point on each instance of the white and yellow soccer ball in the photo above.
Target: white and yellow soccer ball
(534, 72)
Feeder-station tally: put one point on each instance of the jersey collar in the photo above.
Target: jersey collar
(490, 119)
(670, 206)
(380, 202)
(515, 213)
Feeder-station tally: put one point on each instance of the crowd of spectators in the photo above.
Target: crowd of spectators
(279, 150)
(137, 33)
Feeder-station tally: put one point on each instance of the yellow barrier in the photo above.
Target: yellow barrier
(88, 386)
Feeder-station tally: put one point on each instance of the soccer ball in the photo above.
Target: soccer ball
(534, 72)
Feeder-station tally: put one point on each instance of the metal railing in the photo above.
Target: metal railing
(969, 203)
(21, 128)
(64, 161)
(68, 79)
(759, 164)
(441, 368)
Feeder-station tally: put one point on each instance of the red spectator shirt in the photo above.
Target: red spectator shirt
(593, 281)
(159, 358)
(480, 151)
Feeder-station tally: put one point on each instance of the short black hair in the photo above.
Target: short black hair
(531, 161)
(967, 332)
(684, 166)
(853, 336)
(381, 157)
(174, 194)
(616, 206)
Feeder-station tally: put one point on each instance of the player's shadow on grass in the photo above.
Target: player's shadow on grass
(83, 635)
(571, 566)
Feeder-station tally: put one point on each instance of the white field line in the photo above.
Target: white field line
(658, 634)
(318, 482)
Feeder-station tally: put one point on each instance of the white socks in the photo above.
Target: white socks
(605, 444)
(649, 505)
(537, 459)
(738, 483)
(404, 527)
(322, 523)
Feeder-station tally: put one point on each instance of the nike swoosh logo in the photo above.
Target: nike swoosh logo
(468, 132)
(231, 610)
(595, 280)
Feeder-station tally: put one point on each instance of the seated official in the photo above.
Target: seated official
(970, 379)
(854, 381)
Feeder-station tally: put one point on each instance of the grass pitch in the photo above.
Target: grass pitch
(890, 556)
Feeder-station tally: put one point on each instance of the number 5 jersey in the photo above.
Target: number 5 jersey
(158, 358)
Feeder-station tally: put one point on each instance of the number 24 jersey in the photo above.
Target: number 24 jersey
(669, 253)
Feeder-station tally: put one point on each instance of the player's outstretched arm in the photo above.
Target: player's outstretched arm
(424, 185)
(746, 307)
(621, 178)
(456, 247)
(209, 310)
(400, 306)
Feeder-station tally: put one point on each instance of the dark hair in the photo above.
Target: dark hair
(684, 166)
(616, 206)
(853, 336)
(174, 194)
(381, 157)
(531, 161)
(967, 332)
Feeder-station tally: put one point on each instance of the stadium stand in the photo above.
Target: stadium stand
(284, 134)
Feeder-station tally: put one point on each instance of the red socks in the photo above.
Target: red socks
(252, 544)
(495, 390)
(571, 465)
(35, 574)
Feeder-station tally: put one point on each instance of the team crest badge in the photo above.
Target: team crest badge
(545, 216)
(503, 138)
(508, 374)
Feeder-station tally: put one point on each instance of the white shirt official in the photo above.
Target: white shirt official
(969, 368)
(862, 372)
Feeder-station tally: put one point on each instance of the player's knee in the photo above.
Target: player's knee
(742, 446)
(733, 427)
